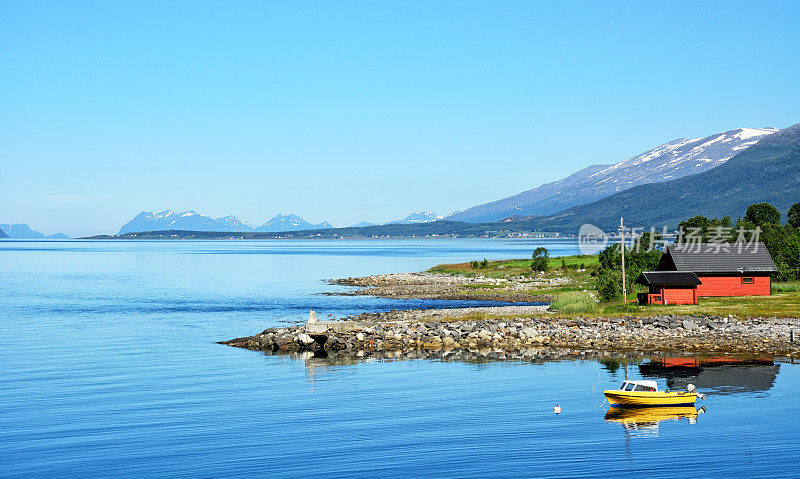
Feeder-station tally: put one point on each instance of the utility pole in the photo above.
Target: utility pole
(622, 244)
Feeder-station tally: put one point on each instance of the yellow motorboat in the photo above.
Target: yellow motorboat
(646, 394)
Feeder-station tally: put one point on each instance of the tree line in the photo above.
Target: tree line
(781, 240)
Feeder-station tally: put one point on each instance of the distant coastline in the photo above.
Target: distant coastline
(437, 229)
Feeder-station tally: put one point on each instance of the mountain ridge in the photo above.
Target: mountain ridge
(768, 171)
(674, 159)
(190, 220)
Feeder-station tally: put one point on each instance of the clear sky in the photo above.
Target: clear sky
(350, 111)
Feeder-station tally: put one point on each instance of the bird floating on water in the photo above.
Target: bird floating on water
(557, 409)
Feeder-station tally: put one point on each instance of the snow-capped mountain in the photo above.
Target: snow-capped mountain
(193, 221)
(290, 222)
(23, 231)
(232, 223)
(421, 217)
(169, 220)
(669, 161)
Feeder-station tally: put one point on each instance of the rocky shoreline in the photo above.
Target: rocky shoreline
(443, 286)
(511, 331)
(368, 334)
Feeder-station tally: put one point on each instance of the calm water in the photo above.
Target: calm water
(109, 368)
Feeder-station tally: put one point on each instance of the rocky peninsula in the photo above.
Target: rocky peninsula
(391, 332)
(426, 285)
(518, 330)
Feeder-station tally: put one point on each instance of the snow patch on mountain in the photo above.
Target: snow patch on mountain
(419, 217)
(290, 222)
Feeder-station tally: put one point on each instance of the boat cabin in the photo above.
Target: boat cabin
(643, 386)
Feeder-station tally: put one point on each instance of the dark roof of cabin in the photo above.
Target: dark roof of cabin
(659, 278)
(717, 258)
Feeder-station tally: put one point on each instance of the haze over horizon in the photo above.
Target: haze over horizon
(353, 112)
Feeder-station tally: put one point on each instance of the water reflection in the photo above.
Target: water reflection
(722, 375)
(718, 375)
(325, 366)
(643, 422)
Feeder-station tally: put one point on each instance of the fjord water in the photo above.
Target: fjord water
(110, 368)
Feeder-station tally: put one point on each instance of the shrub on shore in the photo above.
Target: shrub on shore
(540, 259)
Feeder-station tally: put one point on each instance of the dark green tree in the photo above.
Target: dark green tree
(540, 259)
(706, 228)
(774, 238)
(791, 252)
(794, 215)
(609, 276)
(761, 214)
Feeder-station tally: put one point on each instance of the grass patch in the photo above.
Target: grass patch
(573, 302)
(574, 261)
(514, 267)
(782, 305)
(522, 268)
(787, 287)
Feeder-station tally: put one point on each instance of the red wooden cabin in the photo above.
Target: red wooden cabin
(668, 287)
(724, 269)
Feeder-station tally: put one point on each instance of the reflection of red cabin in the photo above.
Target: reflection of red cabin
(723, 269)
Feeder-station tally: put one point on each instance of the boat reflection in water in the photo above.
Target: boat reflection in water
(714, 376)
(643, 421)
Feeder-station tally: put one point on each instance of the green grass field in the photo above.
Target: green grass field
(570, 299)
(781, 305)
(581, 280)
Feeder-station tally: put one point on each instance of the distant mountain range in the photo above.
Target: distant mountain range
(290, 222)
(718, 175)
(768, 171)
(676, 159)
(193, 221)
(23, 231)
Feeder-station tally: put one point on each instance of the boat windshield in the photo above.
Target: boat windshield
(627, 386)
(639, 387)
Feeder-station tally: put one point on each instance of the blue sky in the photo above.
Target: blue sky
(350, 111)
